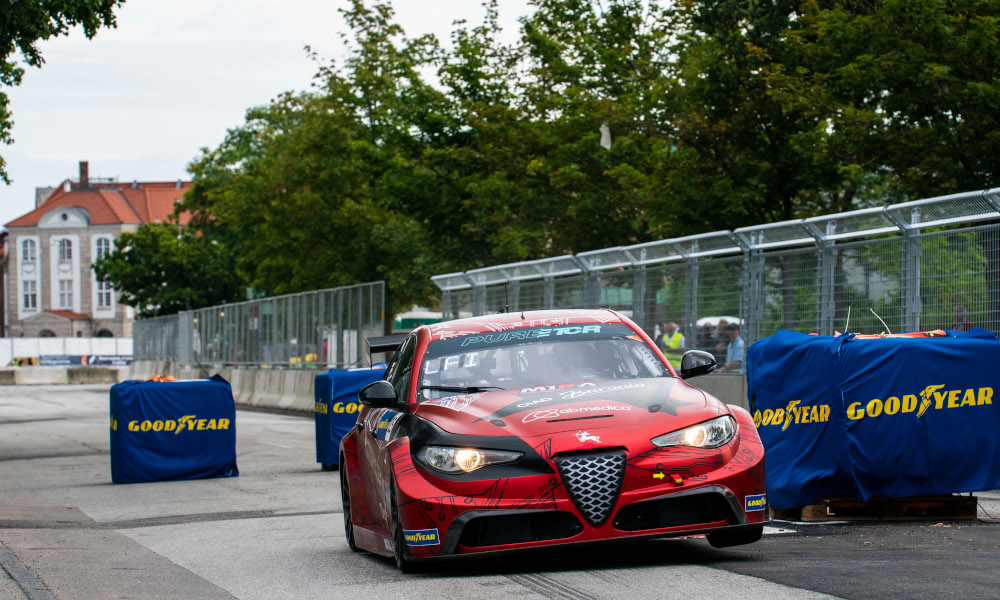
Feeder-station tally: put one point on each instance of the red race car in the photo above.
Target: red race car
(513, 431)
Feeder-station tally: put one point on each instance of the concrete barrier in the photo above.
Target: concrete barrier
(92, 375)
(731, 389)
(62, 375)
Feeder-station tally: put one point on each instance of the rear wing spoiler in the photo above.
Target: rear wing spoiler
(387, 343)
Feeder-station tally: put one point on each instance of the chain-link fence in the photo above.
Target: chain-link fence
(926, 264)
(325, 327)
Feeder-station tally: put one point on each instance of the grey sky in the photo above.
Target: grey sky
(139, 101)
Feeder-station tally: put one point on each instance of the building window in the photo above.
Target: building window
(103, 247)
(46, 333)
(65, 293)
(30, 296)
(104, 294)
(28, 250)
(65, 250)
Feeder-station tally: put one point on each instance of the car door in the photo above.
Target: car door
(377, 430)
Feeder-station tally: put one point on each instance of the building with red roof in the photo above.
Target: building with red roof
(49, 286)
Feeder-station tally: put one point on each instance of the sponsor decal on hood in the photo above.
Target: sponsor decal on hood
(555, 413)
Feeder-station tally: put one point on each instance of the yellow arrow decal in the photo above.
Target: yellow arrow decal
(658, 476)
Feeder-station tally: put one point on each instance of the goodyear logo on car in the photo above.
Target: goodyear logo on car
(383, 427)
(757, 502)
(795, 413)
(421, 537)
(933, 396)
(185, 423)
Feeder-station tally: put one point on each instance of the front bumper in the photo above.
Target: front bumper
(543, 515)
(452, 542)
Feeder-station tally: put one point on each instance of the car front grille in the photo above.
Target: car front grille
(593, 481)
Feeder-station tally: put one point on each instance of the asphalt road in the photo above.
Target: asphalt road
(275, 532)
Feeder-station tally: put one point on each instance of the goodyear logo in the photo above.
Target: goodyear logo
(338, 407)
(932, 396)
(758, 502)
(794, 413)
(421, 537)
(185, 423)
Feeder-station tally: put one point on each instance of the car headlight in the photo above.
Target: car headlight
(710, 434)
(458, 460)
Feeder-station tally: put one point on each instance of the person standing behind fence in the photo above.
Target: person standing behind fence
(706, 338)
(961, 323)
(721, 341)
(734, 349)
(673, 344)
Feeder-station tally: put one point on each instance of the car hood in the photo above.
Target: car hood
(662, 403)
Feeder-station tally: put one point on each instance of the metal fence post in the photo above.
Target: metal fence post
(446, 304)
(549, 292)
(359, 326)
(910, 279)
(826, 277)
(690, 291)
(753, 288)
(513, 295)
(184, 342)
(639, 295)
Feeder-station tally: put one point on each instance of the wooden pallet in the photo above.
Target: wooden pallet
(916, 508)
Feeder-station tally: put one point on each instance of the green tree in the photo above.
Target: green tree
(162, 269)
(311, 191)
(24, 24)
(743, 156)
(911, 89)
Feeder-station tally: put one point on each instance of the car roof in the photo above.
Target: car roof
(517, 319)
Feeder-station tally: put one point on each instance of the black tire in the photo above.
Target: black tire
(403, 562)
(725, 539)
(345, 497)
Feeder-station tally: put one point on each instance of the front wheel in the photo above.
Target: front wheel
(724, 539)
(345, 496)
(403, 562)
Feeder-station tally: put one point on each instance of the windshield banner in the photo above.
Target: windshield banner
(891, 417)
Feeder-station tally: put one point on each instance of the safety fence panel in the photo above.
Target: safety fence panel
(320, 328)
(919, 265)
(960, 279)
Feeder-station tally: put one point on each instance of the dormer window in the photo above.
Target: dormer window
(65, 250)
(28, 250)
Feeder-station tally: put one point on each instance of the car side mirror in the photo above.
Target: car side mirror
(695, 363)
(379, 394)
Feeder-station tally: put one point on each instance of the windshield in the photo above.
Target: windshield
(536, 356)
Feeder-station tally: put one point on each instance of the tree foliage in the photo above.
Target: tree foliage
(605, 123)
(23, 24)
(161, 269)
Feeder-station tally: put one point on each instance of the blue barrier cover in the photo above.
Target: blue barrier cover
(790, 374)
(893, 417)
(920, 415)
(337, 407)
(162, 431)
